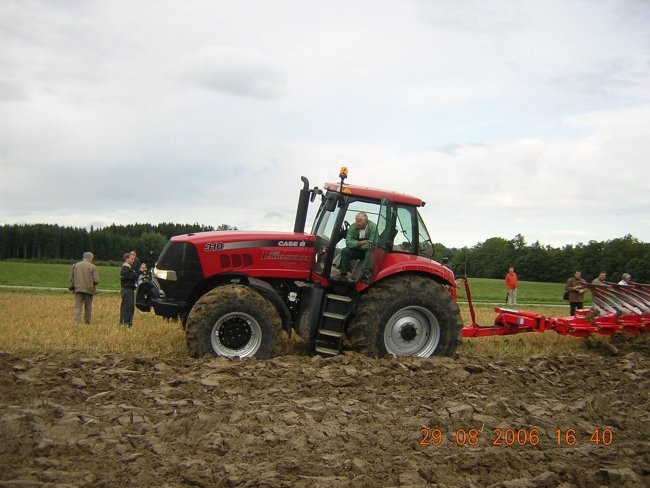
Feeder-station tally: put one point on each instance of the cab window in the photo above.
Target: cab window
(403, 240)
(326, 224)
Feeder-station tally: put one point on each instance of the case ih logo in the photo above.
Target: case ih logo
(291, 243)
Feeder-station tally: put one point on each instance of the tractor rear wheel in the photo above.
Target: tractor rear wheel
(233, 321)
(408, 315)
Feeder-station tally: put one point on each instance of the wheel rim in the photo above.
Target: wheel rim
(412, 331)
(236, 335)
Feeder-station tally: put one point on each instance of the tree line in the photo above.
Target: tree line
(58, 243)
(535, 262)
(488, 259)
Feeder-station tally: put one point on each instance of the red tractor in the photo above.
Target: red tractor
(236, 291)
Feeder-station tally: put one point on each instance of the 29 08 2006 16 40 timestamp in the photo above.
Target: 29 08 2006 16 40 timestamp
(511, 437)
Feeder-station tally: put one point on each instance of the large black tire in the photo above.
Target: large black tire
(408, 315)
(306, 333)
(233, 321)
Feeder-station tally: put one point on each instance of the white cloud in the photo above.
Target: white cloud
(436, 95)
(233, 70)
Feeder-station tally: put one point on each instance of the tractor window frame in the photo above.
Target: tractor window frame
(370, 208)
(326, 222)
(405, 230)
(425, 244)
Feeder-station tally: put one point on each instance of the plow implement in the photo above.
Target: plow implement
(615, 308)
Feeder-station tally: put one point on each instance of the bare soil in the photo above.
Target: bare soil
(73, 421)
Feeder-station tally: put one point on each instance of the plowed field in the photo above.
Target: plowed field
(571, 421)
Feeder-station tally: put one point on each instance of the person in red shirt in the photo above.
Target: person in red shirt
(511, 286)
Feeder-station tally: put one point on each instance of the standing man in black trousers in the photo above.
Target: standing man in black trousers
(128, 279)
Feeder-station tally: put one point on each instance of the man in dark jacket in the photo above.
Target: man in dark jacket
(128, 279)
(136, 263)
(84, 279)
(576, 289)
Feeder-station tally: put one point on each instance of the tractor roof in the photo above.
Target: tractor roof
(375, 193)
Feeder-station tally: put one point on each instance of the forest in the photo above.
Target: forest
(536, 262)
(488, 259)
(56, 243)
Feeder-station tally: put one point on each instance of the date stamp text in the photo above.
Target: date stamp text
(500, 437)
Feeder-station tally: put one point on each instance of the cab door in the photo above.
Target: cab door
(386, 230)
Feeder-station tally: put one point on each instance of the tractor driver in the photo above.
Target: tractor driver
(357, 242)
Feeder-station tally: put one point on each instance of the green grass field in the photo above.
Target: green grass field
(57, 276)
(490, 290)
(52, 275)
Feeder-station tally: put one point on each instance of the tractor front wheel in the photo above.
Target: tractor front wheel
(233, 321)
(408, 315)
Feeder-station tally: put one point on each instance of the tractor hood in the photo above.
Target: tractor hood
(260, 254)
(235, 239)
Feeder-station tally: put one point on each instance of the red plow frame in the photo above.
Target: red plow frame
(616, 308)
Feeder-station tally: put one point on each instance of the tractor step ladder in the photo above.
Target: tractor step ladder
(331, 328)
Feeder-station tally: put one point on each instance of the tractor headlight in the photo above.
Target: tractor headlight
(165, 274)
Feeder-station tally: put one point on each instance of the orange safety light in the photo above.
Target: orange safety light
(343, 174)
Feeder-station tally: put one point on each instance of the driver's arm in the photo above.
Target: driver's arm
(352, 238)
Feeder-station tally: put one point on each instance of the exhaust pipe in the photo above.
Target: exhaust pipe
(303, 206)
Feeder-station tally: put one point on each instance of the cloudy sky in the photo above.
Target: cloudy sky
(507, 117)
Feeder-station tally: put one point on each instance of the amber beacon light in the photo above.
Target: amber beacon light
(343, 174)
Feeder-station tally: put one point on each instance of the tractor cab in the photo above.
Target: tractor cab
(400, 231)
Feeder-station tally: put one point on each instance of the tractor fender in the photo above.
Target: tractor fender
(267, 291)
(436, 271)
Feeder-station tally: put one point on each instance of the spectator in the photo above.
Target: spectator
(136, 263)
(84, 279)
(576, 292)
(600, 280)
(128, 279)
(626, 280)
(511, 286)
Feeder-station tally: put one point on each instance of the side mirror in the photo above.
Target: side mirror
(330, 203)
(314, 192)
